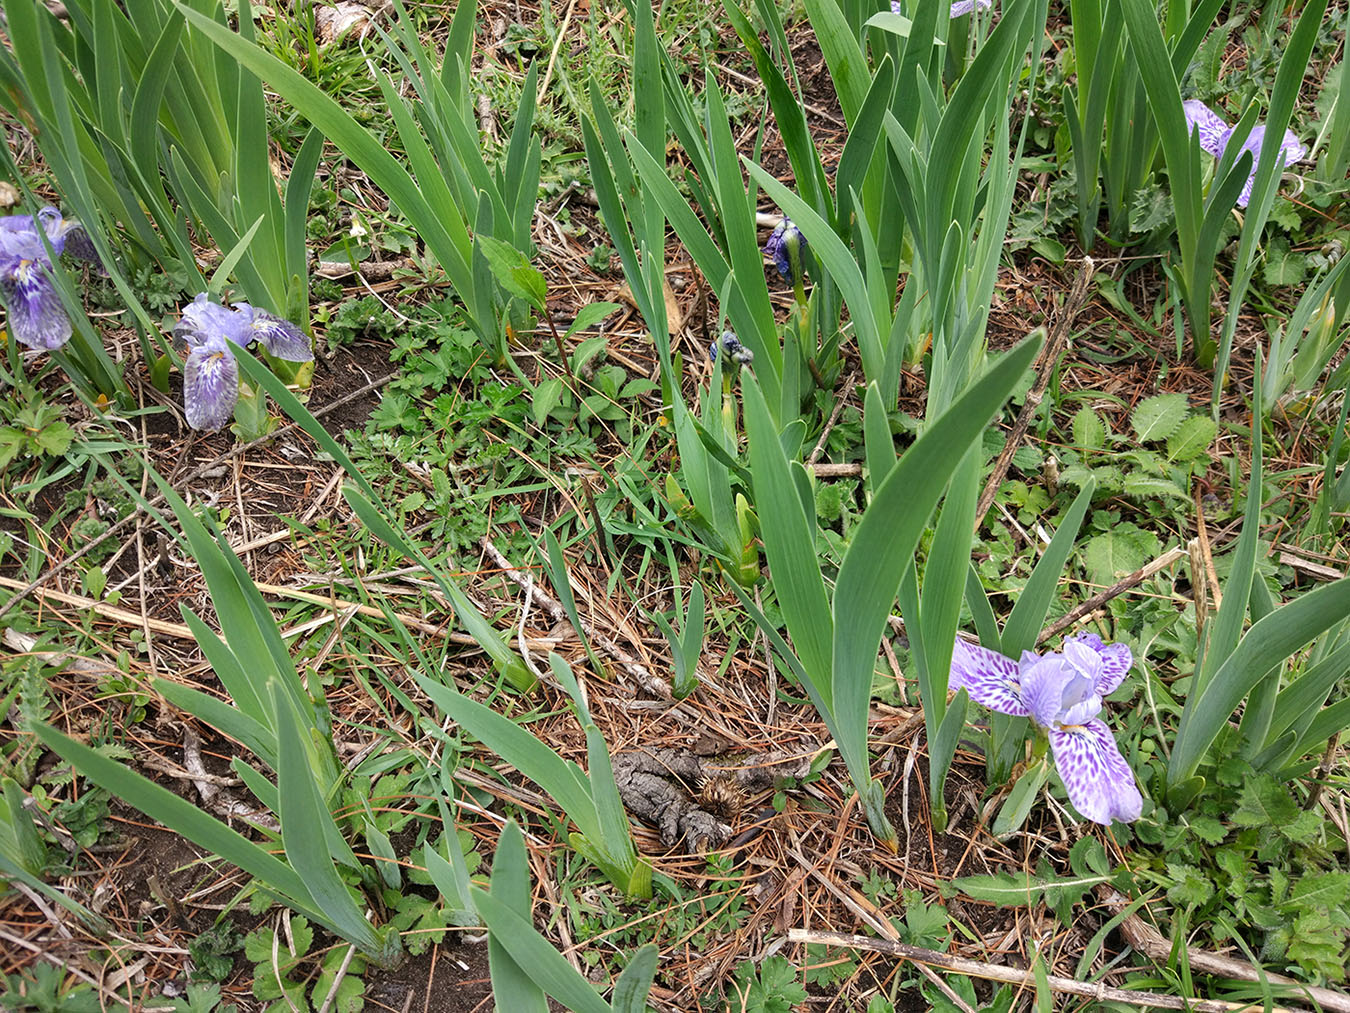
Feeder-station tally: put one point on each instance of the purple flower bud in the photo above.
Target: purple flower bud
(731, 344)
(785, 247)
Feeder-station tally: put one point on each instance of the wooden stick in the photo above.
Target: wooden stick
(1059, 337)
(1119, 587)
(997, 972)
(1152, 943)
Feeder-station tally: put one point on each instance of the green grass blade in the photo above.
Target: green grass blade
(304, 820)
(562, 780)
(789, 542)
(184, 818)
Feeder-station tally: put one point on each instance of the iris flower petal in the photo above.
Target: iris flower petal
(1100, 783)
(281, 337)
(1044, 684)
(210, 385)
(959, 9)
(1209, 124)
(1116, 661)
(989, 678)
(1290, 147)
(36, 316)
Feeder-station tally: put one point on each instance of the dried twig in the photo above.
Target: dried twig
(997, 972)
(1059, 336)
(1152, 943)
(1119, 587)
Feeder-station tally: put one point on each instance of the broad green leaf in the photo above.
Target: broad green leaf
(789, 542)
(512, 987)
(590, 315)
(1089, 431)
(1192, 438)
(513, 272)
(1014, 889)
(562, 780)
(184, 818)
(531, 952)
(1158, 417)
(885, 539)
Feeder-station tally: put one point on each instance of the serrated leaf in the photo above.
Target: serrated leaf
(1123, 549)
(1208, 829)
(1264, 803)
(1284, 266)
(1326, 890)
(1142, 486)
(1189, 886)
(1192, 438)
(1158, 417)
(1089, 431)
(1027, 459)
(1303, 829)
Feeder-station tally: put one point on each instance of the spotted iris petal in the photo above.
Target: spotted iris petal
(1215, 135)
(210, 373)
(1062, 692)
(959, 9)
(37, 317)
(210, 384)
(1208, 124)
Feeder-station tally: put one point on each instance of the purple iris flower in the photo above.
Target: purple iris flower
(210, 374)
(959, 9)
(36, 316)
(785, 247)
(1063, 694)
(1215, 135)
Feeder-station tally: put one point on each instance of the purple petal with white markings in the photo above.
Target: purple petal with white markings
(1100, 783)
(1290, 148)
(989, 678)
(210, 385)
(281, 337)
(963, 7)
(204, 320)
(1209, 124)
(1116, 661)
(36, 316)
